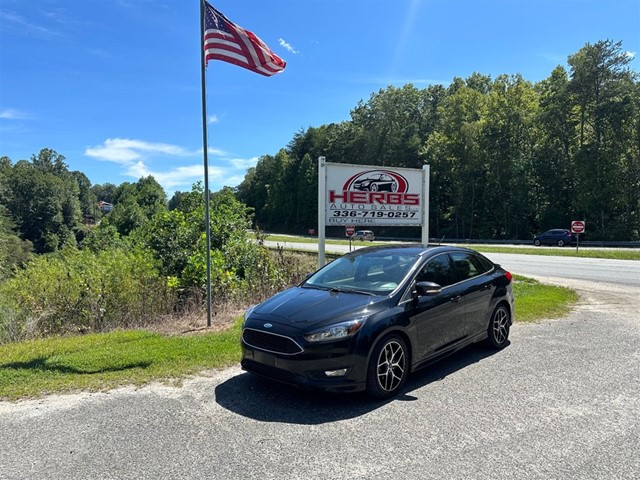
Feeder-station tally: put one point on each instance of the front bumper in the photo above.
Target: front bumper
(307, 369)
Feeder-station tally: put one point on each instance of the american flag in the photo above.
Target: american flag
(226, 41)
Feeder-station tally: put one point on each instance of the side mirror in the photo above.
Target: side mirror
(427, 288)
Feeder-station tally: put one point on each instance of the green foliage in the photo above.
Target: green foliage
(79, 290)
(43, 199)
(172, 236)
(135, 204)
(508, 158)
(103, 237)
(14, 252)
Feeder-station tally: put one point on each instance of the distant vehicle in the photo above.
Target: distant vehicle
(556, 236)
(377, 183)
(363, 235)
(369, 318)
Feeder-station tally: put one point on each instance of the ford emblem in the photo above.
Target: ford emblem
(267, 325)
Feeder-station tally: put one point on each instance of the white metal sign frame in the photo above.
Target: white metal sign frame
(370, 196)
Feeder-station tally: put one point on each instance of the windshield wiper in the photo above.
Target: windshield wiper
(351, 290)
(315, 287)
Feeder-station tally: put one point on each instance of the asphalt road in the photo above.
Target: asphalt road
(562, 401)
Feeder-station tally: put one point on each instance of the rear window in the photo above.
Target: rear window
(467, 265)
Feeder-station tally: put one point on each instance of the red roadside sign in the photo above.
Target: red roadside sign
(577, 226)
(349, 230)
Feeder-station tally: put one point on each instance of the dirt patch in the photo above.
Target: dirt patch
(195, 323)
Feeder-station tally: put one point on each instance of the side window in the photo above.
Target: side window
(437, 270)
(467, 265)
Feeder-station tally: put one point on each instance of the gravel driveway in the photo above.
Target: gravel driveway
(562, 401)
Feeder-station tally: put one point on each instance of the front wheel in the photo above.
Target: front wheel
(561, 243)
(498, 331)
(388, 367)
(536, 242)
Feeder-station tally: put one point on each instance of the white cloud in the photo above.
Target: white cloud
(141, 159)
(630, 55)
(10, 114)
(243, 163)
(18, 24)
(125, 151)
(178, 176)
(287, 45)
(212, 119)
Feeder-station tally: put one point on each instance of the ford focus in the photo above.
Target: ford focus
(371, 317)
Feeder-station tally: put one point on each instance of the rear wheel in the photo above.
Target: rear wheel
(498, 331)
(388, 367)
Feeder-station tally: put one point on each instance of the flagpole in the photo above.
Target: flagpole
(206, 161)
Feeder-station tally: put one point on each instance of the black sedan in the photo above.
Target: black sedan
(369, 318)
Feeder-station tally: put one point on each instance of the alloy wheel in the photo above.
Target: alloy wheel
(391, 368)
(500, 326)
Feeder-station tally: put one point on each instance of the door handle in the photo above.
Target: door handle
(456, 299)
(487, 286)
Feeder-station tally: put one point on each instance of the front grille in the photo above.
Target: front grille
(270, 342)
(268, 371)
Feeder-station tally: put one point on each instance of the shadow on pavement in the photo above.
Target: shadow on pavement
(267, 401)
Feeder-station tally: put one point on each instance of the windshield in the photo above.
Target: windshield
(375, 273)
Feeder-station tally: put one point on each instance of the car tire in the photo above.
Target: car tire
(536, 242)
(561, 243)
(498, 331)
(388, 367)
(373, 187)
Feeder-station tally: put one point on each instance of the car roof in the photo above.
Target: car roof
(410, 249)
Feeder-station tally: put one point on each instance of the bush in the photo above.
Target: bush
(80, 290)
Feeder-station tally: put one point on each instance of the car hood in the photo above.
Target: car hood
(308, 306)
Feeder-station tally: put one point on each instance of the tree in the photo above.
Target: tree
(105, 192)
(13, 251)
(553, 163)
(135, 204)
(508, 143)
(43, 199)
(600, 87)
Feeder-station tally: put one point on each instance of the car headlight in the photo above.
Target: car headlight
(337, 331)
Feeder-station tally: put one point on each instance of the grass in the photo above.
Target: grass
(535, 300)
(614, 254)
(100, 362)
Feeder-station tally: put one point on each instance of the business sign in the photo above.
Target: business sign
(368, 196)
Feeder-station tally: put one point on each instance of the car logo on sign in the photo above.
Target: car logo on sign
(267, 325)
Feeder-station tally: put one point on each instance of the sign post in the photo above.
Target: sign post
(322, 199)
(578, 227)
(349, 230)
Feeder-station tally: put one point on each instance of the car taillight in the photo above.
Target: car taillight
(508, 276)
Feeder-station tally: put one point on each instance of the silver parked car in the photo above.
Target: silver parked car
(363, 235)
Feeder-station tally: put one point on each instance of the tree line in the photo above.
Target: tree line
(508, 157)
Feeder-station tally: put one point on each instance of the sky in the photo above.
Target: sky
(115, 85)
